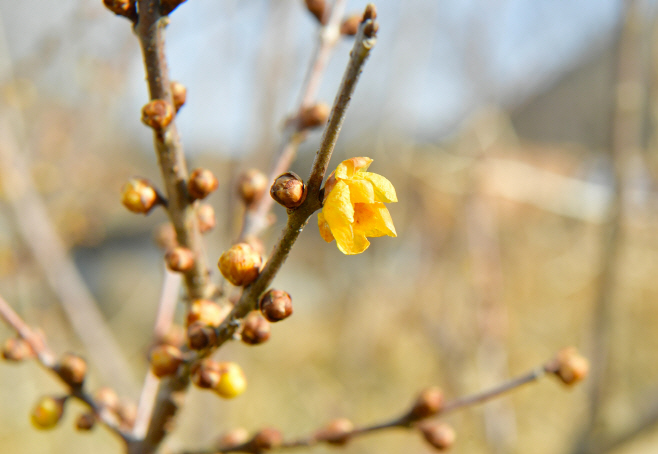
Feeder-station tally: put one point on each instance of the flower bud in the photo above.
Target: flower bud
(207, 312)
(157, 114)
(337, 432)
(350, 26)
(255, 329)
(438, 434)
(139, 195)
(316, 7)
(428, 403)
(200, 336)
(370, 12)
(178, 92)
(571, 367)
(17, 349)
(167, 6)
(175, 336)
(252, 184)
(165, 360)
(240, 264)
(179, 259)
(371, 29)
(289, 190)
(234, 438)
(47, 412)
(85, 421)
(205, 373)
(201, 183)
(107, 397)
(72, 369)
(314, 116)
(266, 439)
(205, 215)
(165, 236)
(126, 8)
(276, 305)
(232, 381)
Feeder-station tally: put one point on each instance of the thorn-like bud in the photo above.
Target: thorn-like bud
(125, 8)
(337, 432)
(205, 215)
(240, 264)
(157, 114)
(252, 184)
(317, 8)
(178, 92)
(438, 434)
(255, 329)
(276, 305)
(205, 373)
(350, 25)
(17, 349)
(232, 381)
(167, 6)
(165, 360)
(200, 336)
(179, 259)
(201, 183)
(107, 397)
(233, 438)
(314, 116)
(47, 412)
(207, 312)
(267, 439)
(370, 12)
(428, 403)
(289, 190)
(570, 366)
(85, 421)
(139, 195)
(72, 369)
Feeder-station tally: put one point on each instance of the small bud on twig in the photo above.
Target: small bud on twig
(350, 26)
(232, 381)
(85, 421)
(157, 114)
(233, 438)
(201, 183)
(289, 190)
(17, 349)
(205, 215)
(165, 360)
(252, 184)
(205, 373)
(178, 93)
(139, 195)
(438, 434)
(337, 432)
(267, 439)
(200, 336)
(276, 305)
(428, 403)
(47, 412)
(207, 312)
(179, 259)
(167, 6)
(314, 116)
(72, 369)
(570, 366)
(317, 8)
(125, 8)
(240, 264)
(107, 397)
(255, 329)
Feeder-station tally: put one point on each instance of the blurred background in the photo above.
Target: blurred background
(520, 136)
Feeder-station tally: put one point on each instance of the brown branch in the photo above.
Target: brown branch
(49, 361)
(255, 216)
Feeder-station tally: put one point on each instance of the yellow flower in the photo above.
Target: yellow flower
(354, 206)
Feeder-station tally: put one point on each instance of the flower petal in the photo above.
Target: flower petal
(373, 219)
(361, 191)
(325, 231)
(339, 215)
(384, 190)
(349, 167)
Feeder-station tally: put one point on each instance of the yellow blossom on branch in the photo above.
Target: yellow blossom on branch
(354, 207)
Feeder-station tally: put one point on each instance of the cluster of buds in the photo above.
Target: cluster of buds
(201, 184)
(240, 264)
(289, 190)
(140, 196)
(224, 378)
(251, 185)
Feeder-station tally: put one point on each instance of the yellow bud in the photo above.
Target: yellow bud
(232, 381)
(179, 94)
(207, 312)
(139, 196)
(157, 114)
(48, 411)
(201, 183)
(165, 360)
(240, 264)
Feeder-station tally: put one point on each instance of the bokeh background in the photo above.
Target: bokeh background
(519, 134)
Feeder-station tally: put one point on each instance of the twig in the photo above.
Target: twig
(48, 360)
(255, 217)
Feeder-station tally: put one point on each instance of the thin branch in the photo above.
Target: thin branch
(48, 360)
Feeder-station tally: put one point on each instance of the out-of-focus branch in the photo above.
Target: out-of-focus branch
(48, 360)
(255, 217)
